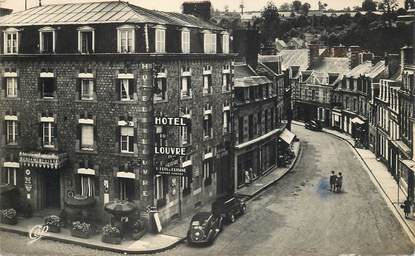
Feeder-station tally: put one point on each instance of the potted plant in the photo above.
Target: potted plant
(138, 229)
(54, 223)
(81, 229)
(8, 216)
(111, 234)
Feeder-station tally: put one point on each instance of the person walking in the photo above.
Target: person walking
(407, 208)
(251, 174)
(339, 182)
(247, 178)
(333, 178)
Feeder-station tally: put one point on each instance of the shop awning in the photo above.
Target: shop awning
(357, 120)
(51, 161)
(410, 164)
(287, 136)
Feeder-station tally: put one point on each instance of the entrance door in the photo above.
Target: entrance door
(51, 189)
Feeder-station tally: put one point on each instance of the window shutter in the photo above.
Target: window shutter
(117, 138)
(117, 88)
(78, 87)
(39, 86)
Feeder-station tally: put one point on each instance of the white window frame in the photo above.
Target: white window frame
(160, 34)
(11, 87)
(87, 143)
(11, 173)
(185, 40)
(90, 83)
(207, 168)
(11, 131)
(125, 86)
(47, 139)
(14, 42)
(188, 88)
(126, 134)
(87, 189)
(47, 30)
(225, 42)
(85, 29)
(209, 42)
(130, 32)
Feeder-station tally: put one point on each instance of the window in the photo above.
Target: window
(11, 84)
(209, 42)
(86, 40)
(226, 117)
(161, 136)
(87, 185)
(11, 41)
(125, 39)
(11, 131)
(241, 130)
(225, 43)
(250, 127)
(207, 122)
(126, 188)
(160, 39)
(47, 87)
(87, 137)
(48, 134)
(185, 40)
(207, 171)
(159, 187)
(126, 89)
(226, 78)
(186, 184)
(87, 89)
(127, 140)
(186, 131)
(11, 174)
(259, 120)
(186, 85)
(161, 84)
(47, 40)
(207, 80)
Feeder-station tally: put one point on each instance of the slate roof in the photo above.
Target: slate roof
(245, 76)
(359, 70)
(297, 57)
(100, 12)
(377, 70)
(333, 65)
(243, 70)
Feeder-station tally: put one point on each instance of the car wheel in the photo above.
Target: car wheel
(232, 218)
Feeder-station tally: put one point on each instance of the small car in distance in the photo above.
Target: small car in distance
(204, 228)
(313, 125)
(229, 207)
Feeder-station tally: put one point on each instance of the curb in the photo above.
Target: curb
(374, 177)
(300, 151)
(95, 247)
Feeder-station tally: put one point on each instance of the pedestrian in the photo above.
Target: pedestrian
(333, 178)
(339, 182)
(251, 174)
(407, 208)
(247, 178)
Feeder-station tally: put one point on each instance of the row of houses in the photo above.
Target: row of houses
(369, 98)
(109, 99)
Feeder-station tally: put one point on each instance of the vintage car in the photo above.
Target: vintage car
(229, 207)
(313, 125)
(204, 228)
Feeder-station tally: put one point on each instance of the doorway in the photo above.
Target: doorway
(50, 189)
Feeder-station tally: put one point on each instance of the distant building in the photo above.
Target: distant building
(5, 11)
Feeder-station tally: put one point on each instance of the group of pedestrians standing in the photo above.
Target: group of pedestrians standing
(336, 182)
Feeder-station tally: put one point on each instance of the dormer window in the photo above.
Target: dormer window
(11, 41)
(185, 40)
(126, 39)
(225, 42)
(86, 40)
(209, 42)
(160, 39)
(47, 40)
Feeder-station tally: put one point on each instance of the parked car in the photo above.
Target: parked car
(313, 125)
(204, 228)
(229, 207)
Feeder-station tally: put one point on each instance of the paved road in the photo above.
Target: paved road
(297, 216)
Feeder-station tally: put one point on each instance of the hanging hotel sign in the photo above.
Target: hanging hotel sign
(176, 151)
(170, 121)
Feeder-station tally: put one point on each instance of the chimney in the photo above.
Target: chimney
(246, 44)
(392, 62)
(407, 56)
(313, 54)
(40, 2)
(200, 9)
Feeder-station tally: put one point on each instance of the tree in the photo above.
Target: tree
(388, 5)
(321, 6)
(305, 8)
(409, 4)
(369, 6)
(285, 7)
(269, 22)
(296, 6)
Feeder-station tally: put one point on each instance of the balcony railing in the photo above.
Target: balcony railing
(51, 161)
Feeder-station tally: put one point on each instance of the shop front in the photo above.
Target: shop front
(407, 175)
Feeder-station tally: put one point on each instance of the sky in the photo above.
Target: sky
(174, 5)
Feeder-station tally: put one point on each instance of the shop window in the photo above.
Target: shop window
(11, 176)
(185, 40)
(11, 132)
(126, 39)
(86, 40)
(87, 185)
(11, 87)
(11, 41)
(47, 40)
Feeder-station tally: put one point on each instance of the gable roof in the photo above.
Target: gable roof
(244, 70)
(359, 70)
(377, 70)
(100, 12)
(297, 57)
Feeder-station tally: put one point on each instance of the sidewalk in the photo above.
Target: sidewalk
(270, 178)
(382, 178)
